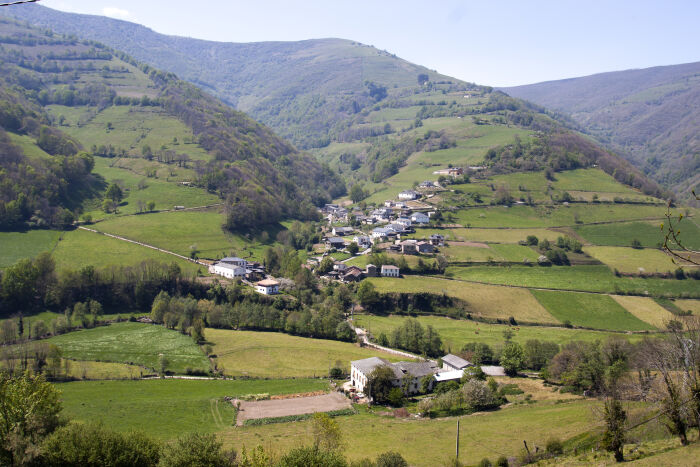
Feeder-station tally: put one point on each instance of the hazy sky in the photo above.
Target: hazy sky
(495, 42)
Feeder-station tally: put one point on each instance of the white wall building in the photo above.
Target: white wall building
(227, 270)
(360, 371)
(389, 270)
(267, 287)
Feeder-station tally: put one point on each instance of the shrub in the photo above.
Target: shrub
(502, 462)
(195, 449)
(485, 463)
(310, 456)
(554, 446)
(396, 397)
(391, 459)
(336, 373)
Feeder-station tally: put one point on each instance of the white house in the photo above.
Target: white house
(420, 218)
(444, 376)
(340, 267)
(363, 241)
(407, 375)
(335, 242)
(452, 362)
(341, 231)
(380, 232)
(267, 287)
(409, 195)
(405, 221)
(236, 261)
(389, 270)
(227, 270)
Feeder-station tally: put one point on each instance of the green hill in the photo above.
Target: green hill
(63, 95)
(649, 115)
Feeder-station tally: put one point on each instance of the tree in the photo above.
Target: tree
(512, 358)
(28, 413)
(391, 459)
(367, 294)
(353, 248)
(115, 193)
(357, 193)
(326, 433)
(537, 354)
(94, 445)
(151, 206)
(396, 397)
(636, 244)
(380, 383)
(312, 457)
(195, 449)
(344, 332)
(423, 78)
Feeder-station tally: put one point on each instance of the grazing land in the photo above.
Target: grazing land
(15, 246)
(133, 343)
(482, 435)
(456, 333)
(581, 278)
(482, 300)
(645, 309)
(277, 355)
(689, 305)
(590, 310)
(169, 408)
(632, 260)
(79, 248)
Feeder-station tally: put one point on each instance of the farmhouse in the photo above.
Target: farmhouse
(267, 287)
(452, 362)
(425, 247)
(342, 231)
(227, 270)
(445, 376)
(236, 261)
(437, 240)
(371, 270)
(452, 171)
(380, 232)
(405, 221)
(389, 270)
(338, 266)
(363, 241)
(420, 218)
(409, 195)
(335, 242)
(408, 247)
(406, 374)
(353, 274)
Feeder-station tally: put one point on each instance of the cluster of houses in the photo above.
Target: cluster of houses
(233, 267)
(345, 273)
(452, 370)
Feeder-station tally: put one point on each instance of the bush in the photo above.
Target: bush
(502, 462)
(485, 463)
(554, 446)
(312, 457)
(396, 397)
(194, 449)
(391, 459)
(336, 373)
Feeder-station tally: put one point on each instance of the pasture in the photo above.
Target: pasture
(456, 333)
(79, 248)
(426, 442)
(632, 260)
(689, 305)
(495, 235)
(278, 355)
(182, 232)
(649, 234)
(482, 300)
(133, 343)
(15, 246)
(590, 310)
(168, 408)
(492, 252)
(645, 309)
(596, 278)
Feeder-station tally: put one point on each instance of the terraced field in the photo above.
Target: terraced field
(632, 260)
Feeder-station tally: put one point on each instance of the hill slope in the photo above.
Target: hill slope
(116, 107)
(652, 116)
(300, 89)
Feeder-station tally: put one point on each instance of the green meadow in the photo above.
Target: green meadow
(15, 246)
(133, 343)
(649, 234)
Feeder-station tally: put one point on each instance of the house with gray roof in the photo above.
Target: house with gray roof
(452, 362)
(407, 375)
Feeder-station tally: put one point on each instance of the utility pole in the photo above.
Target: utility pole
(457, 454)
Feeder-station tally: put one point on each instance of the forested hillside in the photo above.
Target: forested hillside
(61, 94)
(650, 116)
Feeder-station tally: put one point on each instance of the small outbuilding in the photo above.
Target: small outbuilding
(267, 287)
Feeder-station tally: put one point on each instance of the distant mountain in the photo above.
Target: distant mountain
(303, 90)
(651, 116)
(62, 94)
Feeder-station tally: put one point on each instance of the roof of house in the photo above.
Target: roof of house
(389, 267)
(455, 361)
(419, 214)
(367, 365)
(437, 236)
(336, 240)
(231, 259)
(267, 283)
(228, 266)
(493, 370)
(415, 369)
(409, 192)
(344, 229)
(370, 265)
(449, 375)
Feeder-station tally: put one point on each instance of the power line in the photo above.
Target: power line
(18, 2)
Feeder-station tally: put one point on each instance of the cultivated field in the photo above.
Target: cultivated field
(133, 343)
(483, 300)
(590, 310)
(168, 408)
(278, 355)
(649, 234)
(645, 309)
(632, 260)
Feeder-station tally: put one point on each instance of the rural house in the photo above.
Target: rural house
(353, 274)
(371, 270)
(409, 195)
(408, 247)
(420, 218)
(437, 240)
(425, 247)
(389, 270)
(405, 221)
(363, 241)
(360, 371)
(380, 232)
(452, 362)
(335, 242)
(267, 287)
(338, 266)
(342, 231)
(229, 271)
(236, 261)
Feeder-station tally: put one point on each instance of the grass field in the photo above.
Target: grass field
(649, 234)
(489, 235)
(133, 343)
(632, 260)
(80, 248)
(15, 246)
(595, 278)
(456, 333)
(83, 369)
(494, 252)
(483, 300)
(431, 442)
(645, 309)
(168, 408)
(689, 305)
(590, 310)
(180, 231)
(277, 355)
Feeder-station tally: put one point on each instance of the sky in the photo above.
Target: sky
(495, 42)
